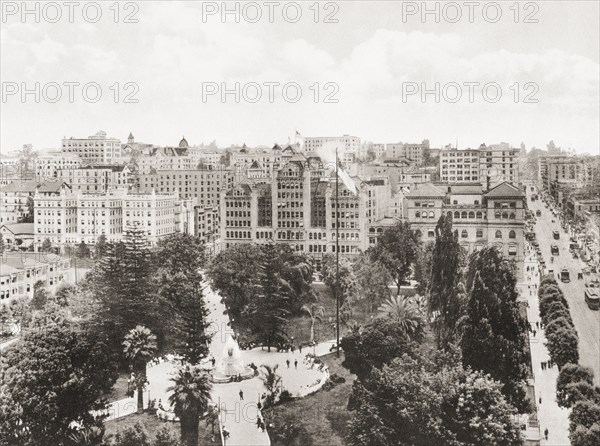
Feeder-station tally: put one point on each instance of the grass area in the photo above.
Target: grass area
(152, 424)
(119, 390)
(319, 419)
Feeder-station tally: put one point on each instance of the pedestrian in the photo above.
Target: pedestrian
(296, 364)
(546, 434)
(241, 394)
(537, 324)
(259, 405)
(534, 332)
(540, 400)
(258, 421)
(213, 360)
(300, 348)
(287, 361)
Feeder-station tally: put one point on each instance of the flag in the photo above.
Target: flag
(298, 133)
(348, 182)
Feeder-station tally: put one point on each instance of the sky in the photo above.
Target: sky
(498, 73)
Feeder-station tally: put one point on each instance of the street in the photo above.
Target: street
(587, 321)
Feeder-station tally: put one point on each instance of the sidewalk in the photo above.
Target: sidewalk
(550, 416)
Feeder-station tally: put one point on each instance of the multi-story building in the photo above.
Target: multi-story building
(584, 171)
(478, 218)
(20, 272)
(95, 149)
(348, 147)
(412, 152)
(17, 195)
(491, 165)
(70, 218)
(48, 165)
(299, 208)
(96, 179)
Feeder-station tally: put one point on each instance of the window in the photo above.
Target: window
(417, 214)
(479, 233)
(456, 214)
(464, 233)
(431, 214)
(463, 214)
(498, 234)
(471, 214)
(512, 234)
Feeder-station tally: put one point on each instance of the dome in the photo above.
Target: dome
(183, 144)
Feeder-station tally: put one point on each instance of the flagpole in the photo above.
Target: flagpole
(337, 255)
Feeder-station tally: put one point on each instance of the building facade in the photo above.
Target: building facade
(95, 149)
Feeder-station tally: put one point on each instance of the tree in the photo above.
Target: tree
(101, 246)
(430, 400)
(181, 253)
(189, 315)
(124, 285)
(83, 251)
(135, 435)
(585, 413)
(139, 347)
(378, 344)
(65, 294)
(407, 314)
(348, 287)
(272, 383)
(397, 250)
(212, 419)
(372, 280)
(232, 272)
(563, 345)
(585, 437)
(422, 268)
(56, 376)
(268, 311)
(570, 374)
(495, 334)
(46, 245)
(29, 215)
(190, 396)
(315, 313)
(40, 295)
(446, 303)
(2, 244)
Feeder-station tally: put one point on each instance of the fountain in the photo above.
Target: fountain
(231, 365)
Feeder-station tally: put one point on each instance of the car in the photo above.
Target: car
(556, 235)
(565, 277)
(592, 295)
(535, 243)
(538, 213)
(554, 250)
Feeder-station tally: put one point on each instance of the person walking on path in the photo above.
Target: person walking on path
(296, 364)
(546, 434)
(287, 361)
(241, 394)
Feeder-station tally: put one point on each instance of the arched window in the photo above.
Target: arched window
(464, 233)
(463, 214)
(431, 214)
(471, 214)
(512, 234)
(449, 214)
(417, 214)
(498, 234)
(479, 233)
(512, 216)
(504, 214)
(497, 214)
(479, 214)
(456, 214)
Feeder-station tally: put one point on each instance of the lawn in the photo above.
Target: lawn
(320, 419)
(151, 423)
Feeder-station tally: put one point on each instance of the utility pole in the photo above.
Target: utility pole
(337, 254)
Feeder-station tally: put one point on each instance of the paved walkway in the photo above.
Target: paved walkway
(550, 416)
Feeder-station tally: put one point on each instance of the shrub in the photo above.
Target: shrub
(165, 436)
(546, 304)
(556, 311)
(586, 437)
(132, 436)
(585, 413)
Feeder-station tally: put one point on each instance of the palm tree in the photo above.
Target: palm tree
(190, 397)
(315, 313)
(272, 382)
(405, 312)
(139, 347)
(212, 418)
